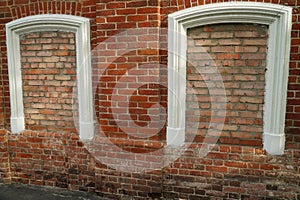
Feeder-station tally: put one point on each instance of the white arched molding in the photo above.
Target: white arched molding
(51, 22)
(278, 19)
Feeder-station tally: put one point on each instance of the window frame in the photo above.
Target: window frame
(278, 18)
(51, 22)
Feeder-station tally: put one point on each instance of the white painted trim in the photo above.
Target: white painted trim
(274, 143)
(175, 136)
(277, 17)
(50, 22)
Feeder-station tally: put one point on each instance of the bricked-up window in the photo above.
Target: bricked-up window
(48, 63)
(238, 51)
(278, 18)
(81, 37)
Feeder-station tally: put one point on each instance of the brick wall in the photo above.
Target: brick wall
(11, 10)
(293, 99)
(49, 75)
(51, 158)
(4, 157)
(128, 96)
(236, 168)
(130, 72)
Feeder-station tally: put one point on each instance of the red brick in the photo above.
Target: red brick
(126, 11)
(236, 164)
(217, 169)
(24, 155)
(237, 190)
(115, 5)
(148, 24)
(136, 18)
(136, 4)
(148, 52)
(251, 142)
(269, 167)
(116, 19)
(147, 10)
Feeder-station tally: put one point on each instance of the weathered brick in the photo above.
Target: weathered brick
(44, 53)
(253, 56)
(246, 49)
(221, 35)
(34, 59)
(43, 75)
(228, 56)
(52, 59)
(222, 49)
(246, 34)
(217, 169)
(206, 42)
(245, 77)
(229, 42)
(251, 100)
(255, 42)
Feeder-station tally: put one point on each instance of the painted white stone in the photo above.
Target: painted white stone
(277, 18)
(51, 22)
